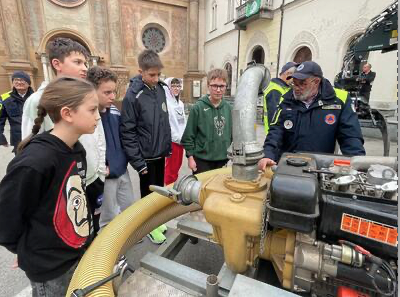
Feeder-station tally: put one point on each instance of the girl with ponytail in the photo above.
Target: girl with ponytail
(44, 214)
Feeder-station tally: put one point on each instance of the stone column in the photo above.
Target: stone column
(45, 63)
(114, 28)
(14, 31)
(193, 35)
(193, 73)
(116, 46)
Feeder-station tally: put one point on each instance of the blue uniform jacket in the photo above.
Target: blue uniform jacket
(115, 155)
(11, 106)
(315, 129)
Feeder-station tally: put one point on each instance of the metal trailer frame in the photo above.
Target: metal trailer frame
(161, 271)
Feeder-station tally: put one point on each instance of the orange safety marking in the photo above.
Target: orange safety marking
(369, 229)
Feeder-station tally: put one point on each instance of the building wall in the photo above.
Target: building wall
(110, 29)
(326, 27)
(221, 44)
(264, 33)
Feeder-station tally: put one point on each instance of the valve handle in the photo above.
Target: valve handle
(164, 191)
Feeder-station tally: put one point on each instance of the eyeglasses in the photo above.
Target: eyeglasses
(216, 87)
(303, 83)
(19, 80)
(175, 86)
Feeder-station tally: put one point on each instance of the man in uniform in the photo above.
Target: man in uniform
(311, 118)
(274, 92)
(11, 106)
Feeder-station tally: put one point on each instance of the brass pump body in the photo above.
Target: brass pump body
(234, 209)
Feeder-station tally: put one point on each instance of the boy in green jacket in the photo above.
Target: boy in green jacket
(208, 132)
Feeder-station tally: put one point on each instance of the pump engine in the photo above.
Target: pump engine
(344, 214)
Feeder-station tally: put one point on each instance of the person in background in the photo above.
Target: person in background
(274, 92)
(366, 79)
(11, 107)
(177, 121)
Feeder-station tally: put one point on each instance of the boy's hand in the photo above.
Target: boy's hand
(192, 164)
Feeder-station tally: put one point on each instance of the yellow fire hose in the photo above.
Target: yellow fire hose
(124, 231)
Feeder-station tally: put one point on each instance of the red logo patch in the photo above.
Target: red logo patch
(330, 119)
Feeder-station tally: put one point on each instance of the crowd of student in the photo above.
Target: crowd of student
(69, 177)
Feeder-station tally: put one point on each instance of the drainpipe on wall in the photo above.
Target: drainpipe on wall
(237, 62)
(280, 39)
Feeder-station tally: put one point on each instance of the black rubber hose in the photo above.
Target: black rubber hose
(360, 276)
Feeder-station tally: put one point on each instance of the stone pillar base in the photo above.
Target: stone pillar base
(20, 65)
(188, 78)
(123, 80)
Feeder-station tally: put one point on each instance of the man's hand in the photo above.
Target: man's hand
(144, 172)
(15, 263)
(192, 164)
(264, 162)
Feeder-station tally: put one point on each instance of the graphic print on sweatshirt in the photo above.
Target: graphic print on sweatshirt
(219, 125)
(71, 217)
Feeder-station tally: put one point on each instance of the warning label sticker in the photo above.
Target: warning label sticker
(369, 229)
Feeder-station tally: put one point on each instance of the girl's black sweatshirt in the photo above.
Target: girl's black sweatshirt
(44, 216)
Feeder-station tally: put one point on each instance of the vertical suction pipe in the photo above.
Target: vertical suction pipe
(244, 151)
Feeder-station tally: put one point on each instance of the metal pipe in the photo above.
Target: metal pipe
(245, 151)
(364, 162)
(212, 286)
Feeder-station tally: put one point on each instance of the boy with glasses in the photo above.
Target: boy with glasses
(208, 133)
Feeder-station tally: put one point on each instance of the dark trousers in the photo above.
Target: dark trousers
(204, 165)
(154, 176)
(94, 193)
(55, 287)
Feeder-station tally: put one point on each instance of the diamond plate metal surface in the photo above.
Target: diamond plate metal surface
(140, 284)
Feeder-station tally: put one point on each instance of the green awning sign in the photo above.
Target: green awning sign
(253, 7)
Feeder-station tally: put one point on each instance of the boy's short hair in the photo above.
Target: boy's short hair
(98, 75)
(149, 59)
(175, 81)
(61, 47)
(217, 73)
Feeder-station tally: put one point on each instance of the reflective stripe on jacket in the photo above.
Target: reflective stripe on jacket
(272, 98)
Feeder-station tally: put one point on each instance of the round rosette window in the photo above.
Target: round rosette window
(68, 3)
(154, 39)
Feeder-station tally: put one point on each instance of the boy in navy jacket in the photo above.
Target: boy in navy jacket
(118, 192)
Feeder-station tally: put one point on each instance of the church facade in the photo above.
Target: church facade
(113, 31)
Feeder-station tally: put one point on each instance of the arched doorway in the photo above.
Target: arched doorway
(258, 55)
(303, 54)
(66, 33)
(228, 68)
